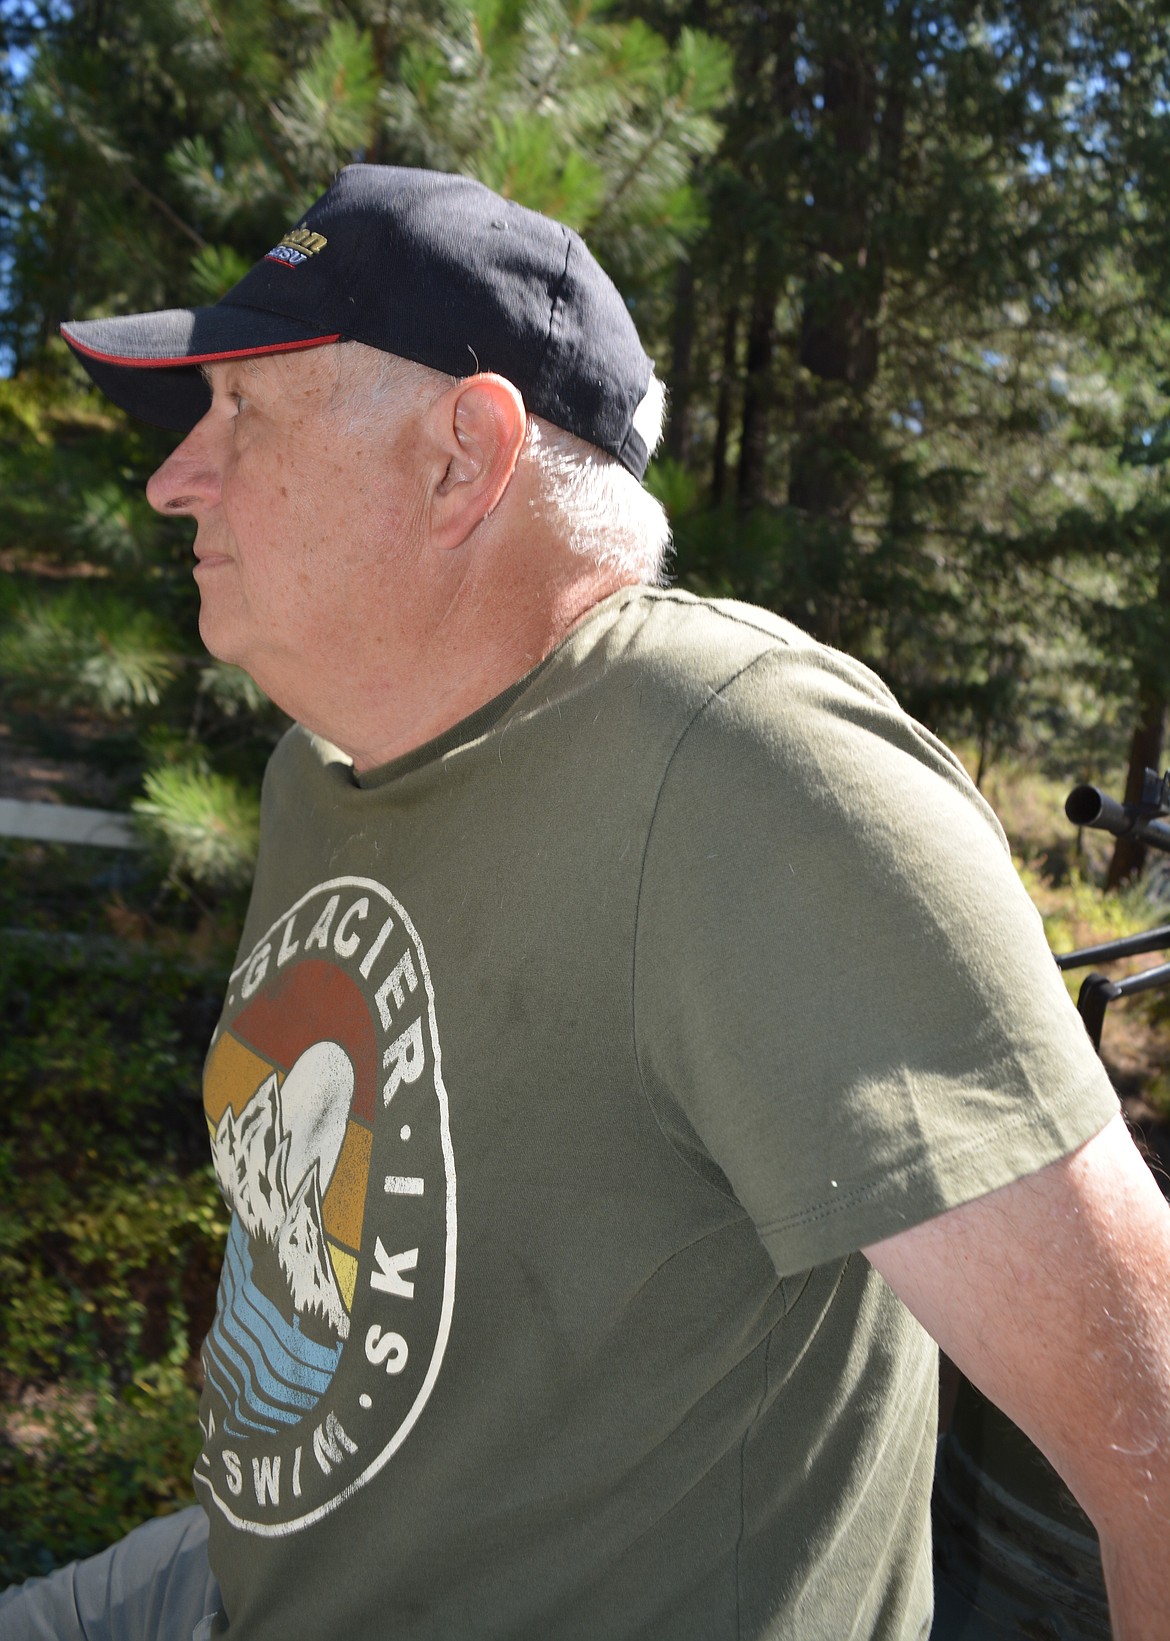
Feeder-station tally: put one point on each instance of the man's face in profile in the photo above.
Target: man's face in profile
(307, 516)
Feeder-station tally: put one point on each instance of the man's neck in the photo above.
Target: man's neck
(394, 711)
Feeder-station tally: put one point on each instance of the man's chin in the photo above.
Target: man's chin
(218, 638)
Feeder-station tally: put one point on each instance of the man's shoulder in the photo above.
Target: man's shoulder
(757, 697)
(672, 619)
(701, 645)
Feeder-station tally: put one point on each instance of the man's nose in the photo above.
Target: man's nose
(189, 478)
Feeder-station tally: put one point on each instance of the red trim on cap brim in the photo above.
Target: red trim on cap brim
(201, 358)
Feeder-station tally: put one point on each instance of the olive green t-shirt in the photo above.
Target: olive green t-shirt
(567, 1064)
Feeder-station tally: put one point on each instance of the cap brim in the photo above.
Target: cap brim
(148, 362)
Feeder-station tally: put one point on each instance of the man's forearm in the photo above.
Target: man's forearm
(1053, 1297)
(1135, 1581)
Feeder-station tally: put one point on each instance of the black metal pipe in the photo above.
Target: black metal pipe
(1130, 945)
(1089, 806)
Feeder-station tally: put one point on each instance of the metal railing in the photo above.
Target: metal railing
(1143, 822)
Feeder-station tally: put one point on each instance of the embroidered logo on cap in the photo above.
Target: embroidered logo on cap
(297, 246)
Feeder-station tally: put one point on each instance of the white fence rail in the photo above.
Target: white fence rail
(63, 823)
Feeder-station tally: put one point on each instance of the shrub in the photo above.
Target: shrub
(111, 1233)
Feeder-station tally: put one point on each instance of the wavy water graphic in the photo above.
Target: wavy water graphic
(267, 1371)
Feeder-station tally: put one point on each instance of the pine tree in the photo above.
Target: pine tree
(926, 205)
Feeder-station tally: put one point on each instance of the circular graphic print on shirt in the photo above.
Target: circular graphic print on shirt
(331, 1140)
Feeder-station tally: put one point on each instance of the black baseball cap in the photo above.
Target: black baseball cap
(431, 267)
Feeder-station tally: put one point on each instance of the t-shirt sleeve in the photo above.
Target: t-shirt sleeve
(843, 996)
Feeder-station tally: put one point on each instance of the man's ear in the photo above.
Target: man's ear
(480, 425)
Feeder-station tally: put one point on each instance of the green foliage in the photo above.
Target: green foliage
(327, 112)
(208, 824)
(99, 656)
(1082, 915)
(234, 693)
(110, 526)
(918, 333)
(674, 486)
(87, 645)
(21, 413)
(88, 1465)
(111, 1232)
(595, 121)
(214, 270)
(521, 162)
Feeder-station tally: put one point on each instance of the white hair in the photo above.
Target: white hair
(597, 506)
(593, 504)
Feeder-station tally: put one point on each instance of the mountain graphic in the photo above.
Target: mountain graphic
(250, 1158)
(304, 1258)
(251, 1154)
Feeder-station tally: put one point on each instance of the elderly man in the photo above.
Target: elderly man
(639, 1045)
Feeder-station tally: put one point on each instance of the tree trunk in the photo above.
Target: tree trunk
(723, 405)
(682, 349)
(768, 59)
(1145, 752)
(1145, 748)
(838, 340)
(751, 480)
(840, 319)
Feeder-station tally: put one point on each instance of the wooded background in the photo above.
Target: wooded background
(905, 268)
(903, 265)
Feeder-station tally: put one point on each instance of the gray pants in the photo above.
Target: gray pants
(153, 1585)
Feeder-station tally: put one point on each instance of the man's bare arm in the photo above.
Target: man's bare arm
(1053, 1296)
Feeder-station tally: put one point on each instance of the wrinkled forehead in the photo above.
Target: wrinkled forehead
(346, 389)
(327, 373)
(220, 369)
